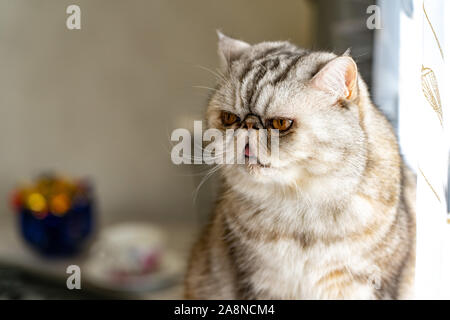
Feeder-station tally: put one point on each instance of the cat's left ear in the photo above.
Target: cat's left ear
(229, 50)
(338, 77)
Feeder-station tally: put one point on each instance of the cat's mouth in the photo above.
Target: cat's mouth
(251, 160)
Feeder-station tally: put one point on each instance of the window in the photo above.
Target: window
(410, 84)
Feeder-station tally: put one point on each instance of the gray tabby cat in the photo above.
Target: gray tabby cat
(334, 216)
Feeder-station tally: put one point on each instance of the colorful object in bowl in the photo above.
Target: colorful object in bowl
(55, 214)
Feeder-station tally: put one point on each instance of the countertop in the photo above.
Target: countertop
(16, 254)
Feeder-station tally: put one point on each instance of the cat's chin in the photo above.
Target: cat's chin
(277, 174)
(256, 173)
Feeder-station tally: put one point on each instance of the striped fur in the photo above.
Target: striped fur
(332, 218)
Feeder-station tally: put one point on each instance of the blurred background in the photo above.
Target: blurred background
(101, 102)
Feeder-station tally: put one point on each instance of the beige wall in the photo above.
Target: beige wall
(103, 101)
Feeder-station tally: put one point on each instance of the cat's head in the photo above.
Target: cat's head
(311, 98)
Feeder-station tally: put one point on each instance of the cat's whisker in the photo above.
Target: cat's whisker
(216, 74)
(204, 87)
(204, 179)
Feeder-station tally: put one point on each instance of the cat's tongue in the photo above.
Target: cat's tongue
(247, 151)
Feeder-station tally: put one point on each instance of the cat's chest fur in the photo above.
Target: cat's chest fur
(285, 270)
(286, 259)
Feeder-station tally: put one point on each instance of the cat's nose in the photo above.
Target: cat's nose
(251, 122)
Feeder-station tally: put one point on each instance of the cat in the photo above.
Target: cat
(334, 216)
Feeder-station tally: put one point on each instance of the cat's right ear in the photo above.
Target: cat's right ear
(338, 77)
(229, 50)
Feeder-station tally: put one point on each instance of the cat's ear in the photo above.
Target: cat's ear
(229, 49)
(338, 77)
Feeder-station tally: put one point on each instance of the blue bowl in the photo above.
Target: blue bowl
(54, 235)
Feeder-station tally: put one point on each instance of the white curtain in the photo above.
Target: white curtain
(423, 133)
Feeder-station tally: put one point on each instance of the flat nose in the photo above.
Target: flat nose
(251, 122)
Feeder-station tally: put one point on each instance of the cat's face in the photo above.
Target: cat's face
(307, 96)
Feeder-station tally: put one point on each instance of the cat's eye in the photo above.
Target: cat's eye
(281, 124)
(229, 118)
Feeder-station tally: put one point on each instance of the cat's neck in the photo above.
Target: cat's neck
(330, 190)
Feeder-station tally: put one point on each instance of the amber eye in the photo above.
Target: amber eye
(229, 118)
(281, 124)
